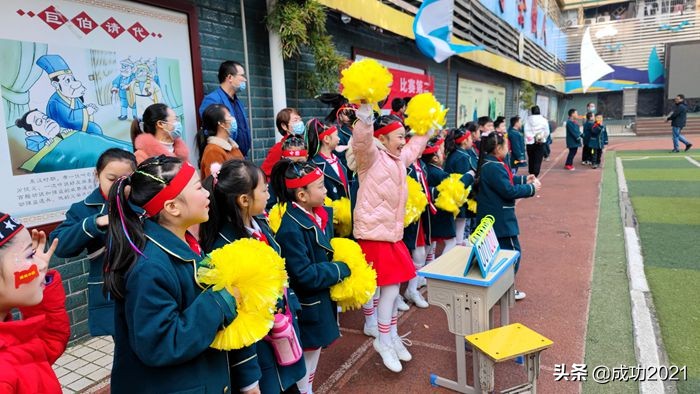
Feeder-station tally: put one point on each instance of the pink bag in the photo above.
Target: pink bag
(282, 338)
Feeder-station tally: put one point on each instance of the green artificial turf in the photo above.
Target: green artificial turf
(660, 174)
(609, 339)
(669, 210)
(664, 188)
(666, 201)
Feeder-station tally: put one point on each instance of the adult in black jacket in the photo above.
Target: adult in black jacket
(678, 118)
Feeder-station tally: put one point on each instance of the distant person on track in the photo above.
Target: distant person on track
(678, 119)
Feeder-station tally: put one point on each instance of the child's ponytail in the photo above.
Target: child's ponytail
(451, 144)
(126, 238)
(234, 178)
(314, 128)
(125, 230)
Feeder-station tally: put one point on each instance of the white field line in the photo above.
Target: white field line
(647, 346)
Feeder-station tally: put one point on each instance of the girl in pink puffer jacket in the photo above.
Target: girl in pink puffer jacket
(380, 156)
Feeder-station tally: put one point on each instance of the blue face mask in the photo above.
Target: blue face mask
(298, 128)
(233, 129)
(242, 87)
(176, 132)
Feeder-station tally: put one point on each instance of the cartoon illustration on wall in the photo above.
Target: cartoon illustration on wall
(64, 106)
(120, 87)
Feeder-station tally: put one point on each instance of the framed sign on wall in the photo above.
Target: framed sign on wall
(476, 99)
(75, 75)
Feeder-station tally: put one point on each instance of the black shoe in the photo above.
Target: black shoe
(675, 151)
(687, 147)
(122, 117)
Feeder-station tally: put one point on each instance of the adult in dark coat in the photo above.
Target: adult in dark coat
(678, 120)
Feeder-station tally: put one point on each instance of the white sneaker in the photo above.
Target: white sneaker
(422, 282)
(519, 295)
(416, 298)
(389, 356)
(400, 348)
(402, 305)
(371, 331)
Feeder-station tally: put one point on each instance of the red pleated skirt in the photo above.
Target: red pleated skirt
(391, 260)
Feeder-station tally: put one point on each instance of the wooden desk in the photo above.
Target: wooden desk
(468, 301)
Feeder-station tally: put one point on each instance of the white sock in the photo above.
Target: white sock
(460, 225)
(449, 244)
(388, 298)
(311, 361)
(393, 330)
(369, 309)
(418, 255)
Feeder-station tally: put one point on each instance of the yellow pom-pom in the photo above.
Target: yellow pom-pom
(471, 205)
(359, 287)
(425, 113)
(275, 215)
(342, 217)
(452, 195)
(257, 271)
(416, 203)
(366, 80)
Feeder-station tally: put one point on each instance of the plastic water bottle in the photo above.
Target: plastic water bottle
(284, 341)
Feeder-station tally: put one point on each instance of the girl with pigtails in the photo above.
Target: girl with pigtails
(237, 195)
(304, 237)
(164, 320)
(381, 157)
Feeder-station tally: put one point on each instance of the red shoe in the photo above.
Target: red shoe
(570, 168)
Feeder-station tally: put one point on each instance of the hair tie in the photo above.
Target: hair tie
(141, 125)
(159, 180)
(215, 169)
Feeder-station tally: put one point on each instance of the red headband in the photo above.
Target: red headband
(295, 153)
(170, 191)
(305, 180)
(9, 227)
(433, 149)
(388, 128)
(327, 132)
(463, 138)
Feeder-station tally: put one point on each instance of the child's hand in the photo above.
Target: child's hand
(42, 257)
(254, 390)
(531, 178)
(102, 221)
(538, 184)
(235, 293)
(365, 113)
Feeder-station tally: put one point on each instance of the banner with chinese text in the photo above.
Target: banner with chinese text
(408, 84)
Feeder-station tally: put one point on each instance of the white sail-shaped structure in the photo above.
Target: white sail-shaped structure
(592, 66)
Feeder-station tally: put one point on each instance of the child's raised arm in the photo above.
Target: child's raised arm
(363, 147)
(412, 151)
(56, 329)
